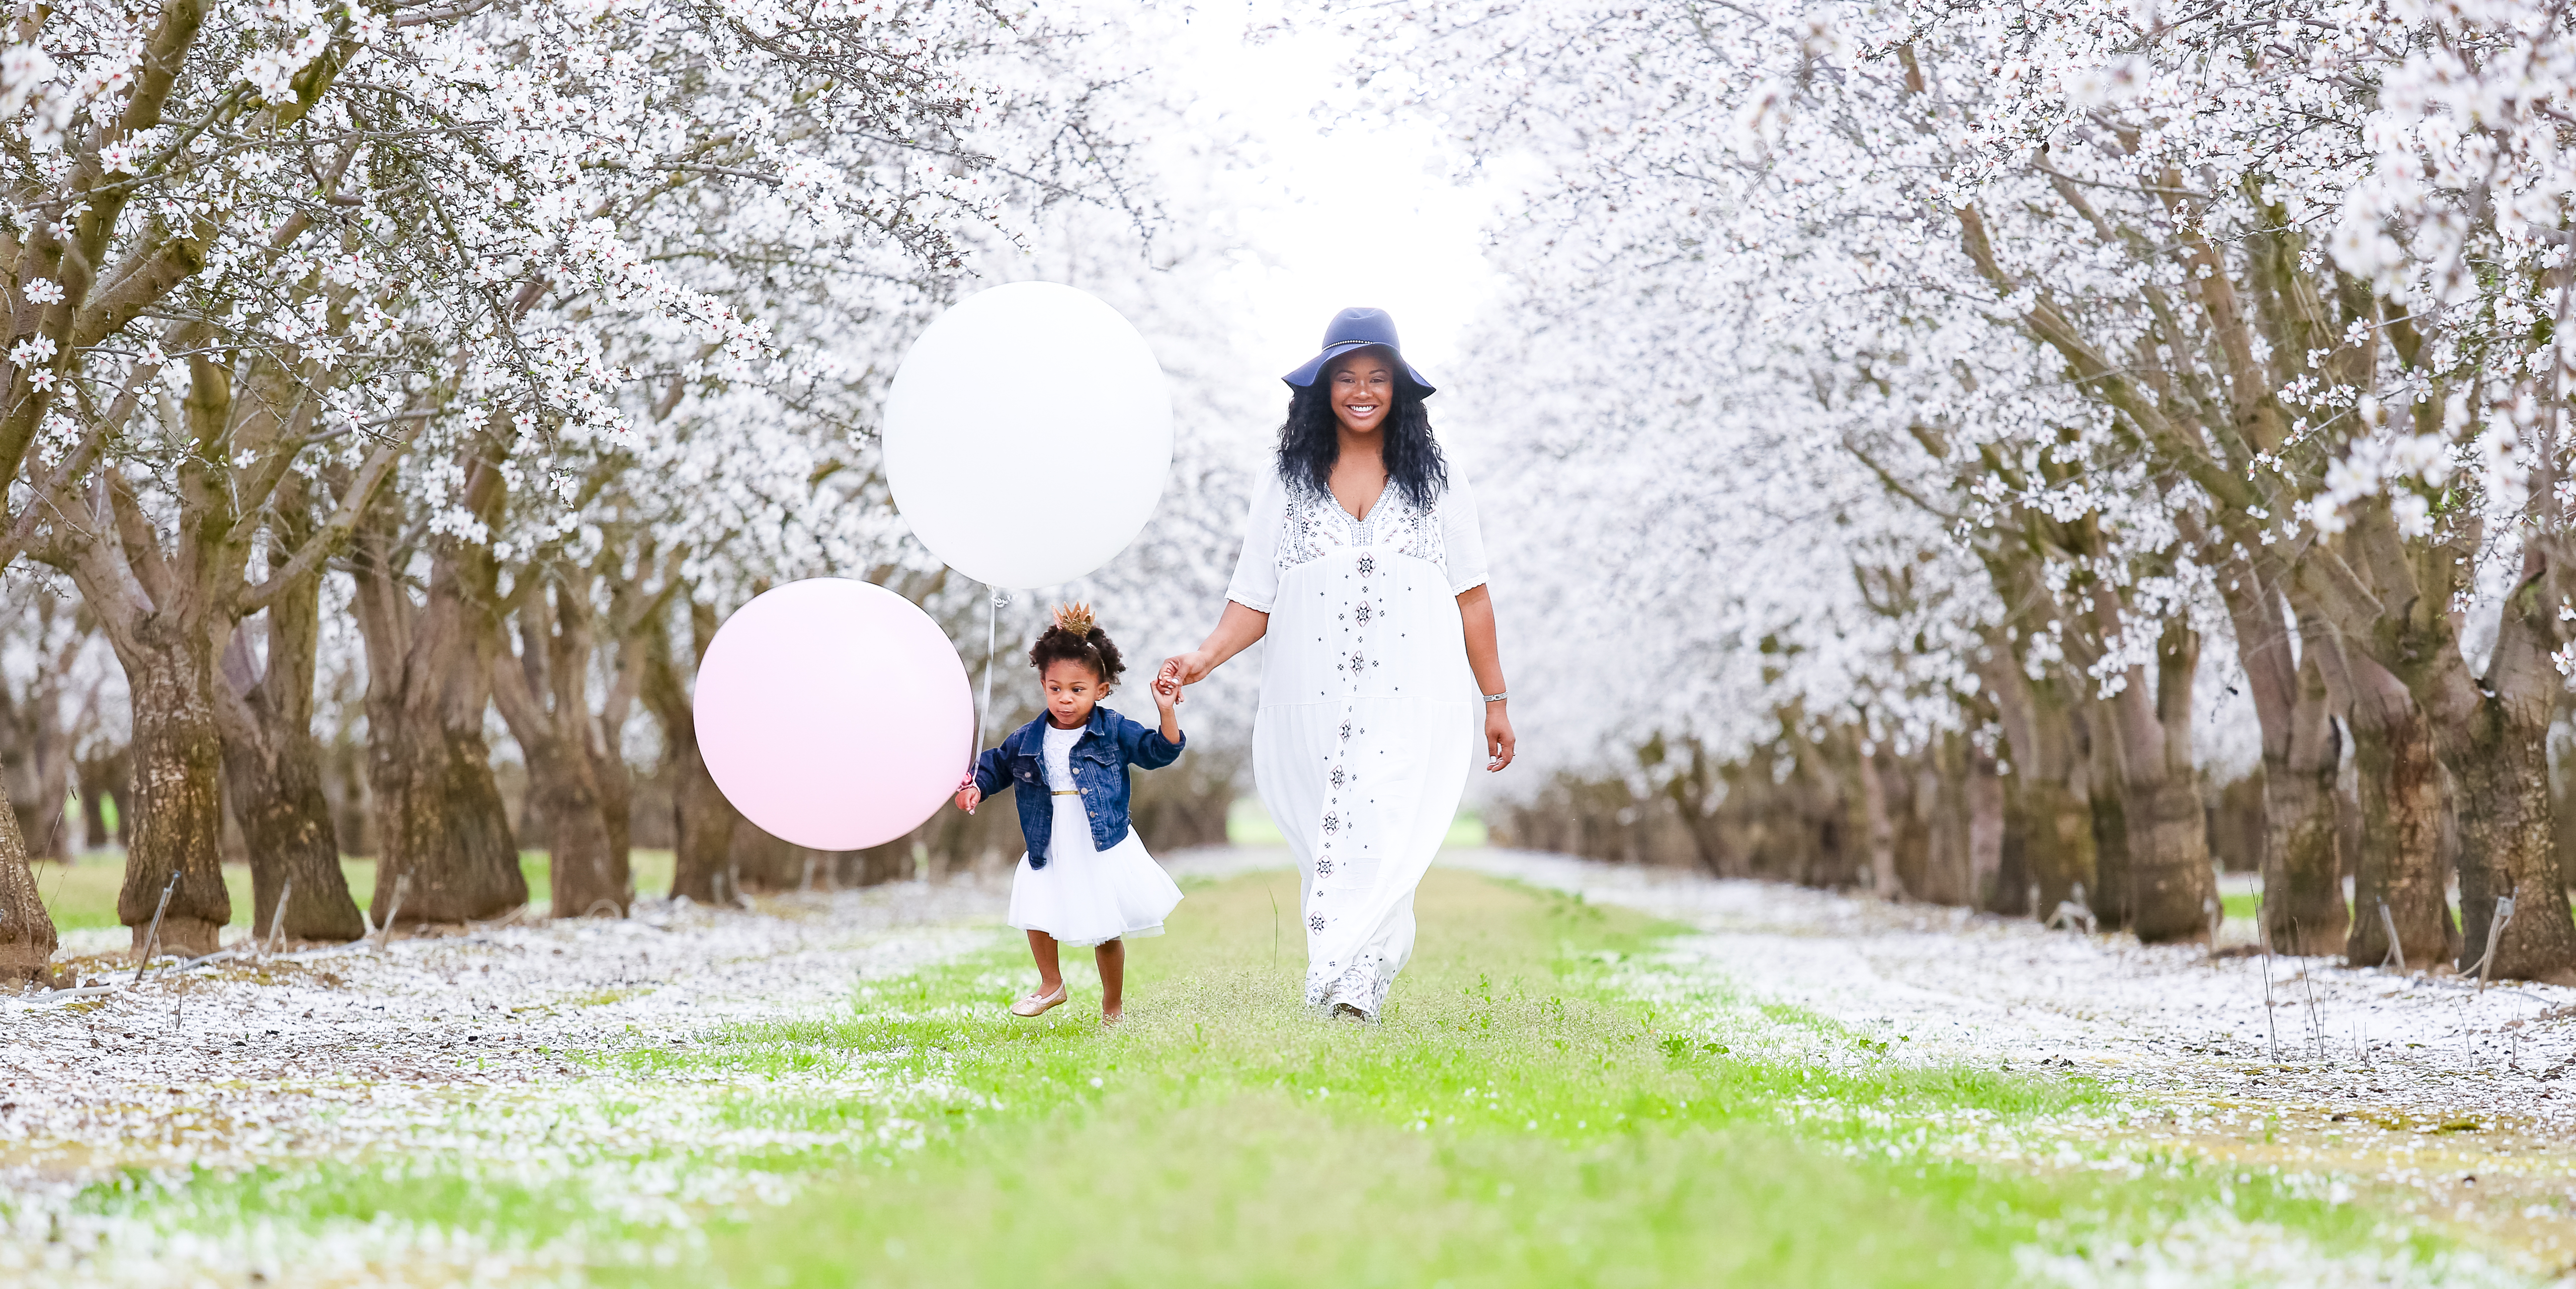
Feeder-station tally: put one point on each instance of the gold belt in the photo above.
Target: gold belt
(1066, 792)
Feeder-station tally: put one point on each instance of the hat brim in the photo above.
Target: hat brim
(1305, 375)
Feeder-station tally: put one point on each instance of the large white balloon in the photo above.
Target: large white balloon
(1028, 434)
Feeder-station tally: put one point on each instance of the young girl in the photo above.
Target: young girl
(1086, 879)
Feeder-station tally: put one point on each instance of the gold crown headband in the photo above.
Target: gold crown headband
(1075, 618)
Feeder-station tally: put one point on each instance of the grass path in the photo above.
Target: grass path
(1561, 1094)
(1521, 1118)
(1506, 1125)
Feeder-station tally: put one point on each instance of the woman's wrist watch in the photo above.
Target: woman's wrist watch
(1496, 698)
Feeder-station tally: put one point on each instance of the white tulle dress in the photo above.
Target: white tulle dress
(1085, 896)
(1369, 713)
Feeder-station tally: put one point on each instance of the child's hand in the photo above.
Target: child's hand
(1182, 669)
(1167, 693)
(969, 797)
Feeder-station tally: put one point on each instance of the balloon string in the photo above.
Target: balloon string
(984, 710)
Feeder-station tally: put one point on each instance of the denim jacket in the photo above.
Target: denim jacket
(1109, 744)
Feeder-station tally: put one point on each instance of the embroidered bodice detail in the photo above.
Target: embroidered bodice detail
(1317, 526)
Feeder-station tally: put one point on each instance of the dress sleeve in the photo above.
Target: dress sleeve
(1256, 572)
(1465, 540)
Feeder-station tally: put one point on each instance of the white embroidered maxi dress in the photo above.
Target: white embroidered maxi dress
(1369, 715)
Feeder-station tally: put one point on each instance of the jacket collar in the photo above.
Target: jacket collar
(1035, 731)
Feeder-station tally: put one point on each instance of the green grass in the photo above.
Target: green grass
(82, 895)
(1513, 1122)
(2250, 905)
(1249, 823)
(1543, 1105)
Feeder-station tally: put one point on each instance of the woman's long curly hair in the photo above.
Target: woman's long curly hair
(1310, 441)
(1075, 637)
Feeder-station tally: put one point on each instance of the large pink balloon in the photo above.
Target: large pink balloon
(834, 713)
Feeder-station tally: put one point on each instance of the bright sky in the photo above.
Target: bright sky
(1342, 212)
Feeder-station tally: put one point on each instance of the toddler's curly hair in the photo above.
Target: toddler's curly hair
(1076, 637)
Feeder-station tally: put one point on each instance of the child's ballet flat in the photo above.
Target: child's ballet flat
(1036, 1003)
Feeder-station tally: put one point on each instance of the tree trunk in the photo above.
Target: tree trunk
(1985, 806)
(707, 825)
(442, 829)
(2399, 866)
(1698, 796)
(706, 820)
(1942, 788)
(762, 861)
(440, 822)
(106, 781)
(2171, 893)
(53, 755)
(576, 778)
(2493, 736)
(2303, 908)
(2057, 843)
(2175, 892)
(877, 865)
(27, 939)
(2051, 784)
(35, 740)
(2011, 893)
(1878, 817)
(2114, 887)
(178, 805)
(2505, 825)
(1913, 797)
(36, 750)
(588, 859)
(273, 765)
(294, 851)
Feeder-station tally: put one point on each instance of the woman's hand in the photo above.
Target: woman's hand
(1498, 737)
(969, 797)
(1181, 669)
(1235, 632)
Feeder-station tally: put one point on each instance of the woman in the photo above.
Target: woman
(1363, 566)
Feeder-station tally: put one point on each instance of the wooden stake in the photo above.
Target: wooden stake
(2269, 1030)
(2495, 933)
(2315, 1026)
(277, 918)
(152, 939)
(393, 907)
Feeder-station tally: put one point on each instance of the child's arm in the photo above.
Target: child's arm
(1167, 699)
(1152, 749)
(988, 768)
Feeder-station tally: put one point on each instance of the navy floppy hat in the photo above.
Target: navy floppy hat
(1358, 329)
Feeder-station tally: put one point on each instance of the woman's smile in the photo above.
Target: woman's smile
(1363, 387)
